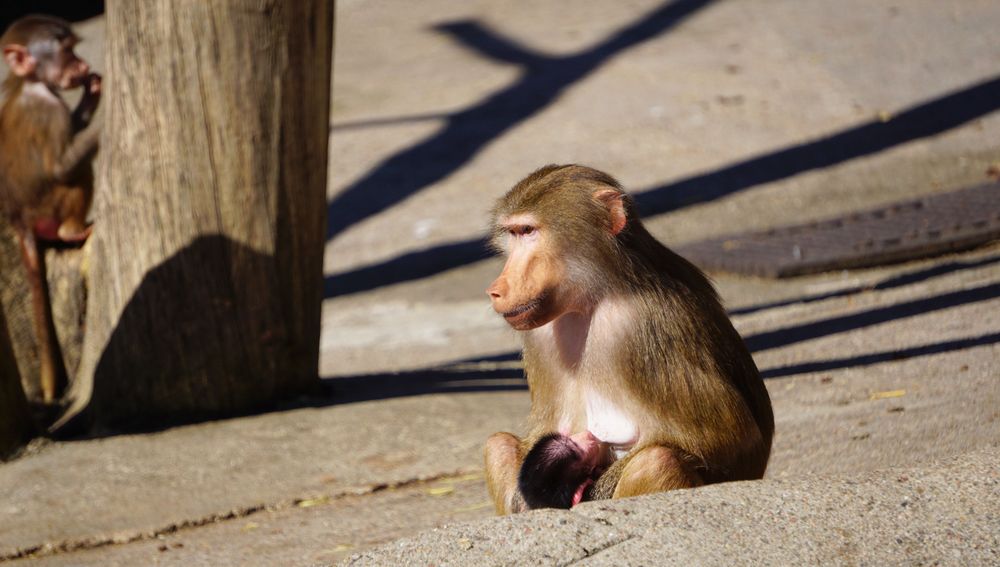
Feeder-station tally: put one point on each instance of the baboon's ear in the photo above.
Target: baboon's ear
(21, 62)
(614, 202)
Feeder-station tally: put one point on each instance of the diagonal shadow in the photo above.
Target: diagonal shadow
(900, 280)
(369, 387)
(884, 356)
(921, 121)
(845, 323)
(926, 119)
(451, 378)
(407, 267)
(466, 132)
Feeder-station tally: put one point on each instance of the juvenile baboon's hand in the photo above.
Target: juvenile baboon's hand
(92, 86)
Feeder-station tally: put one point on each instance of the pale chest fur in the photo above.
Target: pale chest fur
(573, 352)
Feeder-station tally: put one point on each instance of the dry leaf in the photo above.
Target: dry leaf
(888, 394)
(309, 502)
(441, 490)
(465, 477)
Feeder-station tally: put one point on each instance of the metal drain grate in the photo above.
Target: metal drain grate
(902, 231)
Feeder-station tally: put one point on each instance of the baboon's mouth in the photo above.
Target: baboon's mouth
(522, 309)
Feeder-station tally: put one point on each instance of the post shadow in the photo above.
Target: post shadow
(920, 121)
(467, 131)
(191, 346)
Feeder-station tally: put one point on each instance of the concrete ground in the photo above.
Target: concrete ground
(944, 514)
(439, 107)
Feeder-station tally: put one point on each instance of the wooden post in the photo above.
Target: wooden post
(205, 275)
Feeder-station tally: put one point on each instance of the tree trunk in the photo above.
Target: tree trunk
(206, 261)
(15, 299)
(15, 421)
(67, 294)
(65, 272)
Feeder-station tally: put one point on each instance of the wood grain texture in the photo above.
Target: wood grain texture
(15, 300)
(206, 267)
(67, 294)
(15, 422)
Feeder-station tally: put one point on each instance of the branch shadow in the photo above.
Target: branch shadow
(452, 378)
(844, 323)
(883, 356)
(900, 280)
(467, 131)
(923, 120)
(926, 119)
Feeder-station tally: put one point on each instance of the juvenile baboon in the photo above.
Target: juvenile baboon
(46, 176)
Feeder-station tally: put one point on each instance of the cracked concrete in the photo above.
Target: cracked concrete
(240, 529)
(940, 514)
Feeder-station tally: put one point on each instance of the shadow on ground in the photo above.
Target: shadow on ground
(503, 373)
(466, 132)
(489, 374)
(900, 280)
(462, 376)
(215, 359)
(923, 120)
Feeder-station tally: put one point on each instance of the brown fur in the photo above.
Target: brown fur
(676, 366)
(46, 175)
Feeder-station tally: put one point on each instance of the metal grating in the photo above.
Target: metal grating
(906, 230)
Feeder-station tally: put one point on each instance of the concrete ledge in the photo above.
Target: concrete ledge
(944, 514)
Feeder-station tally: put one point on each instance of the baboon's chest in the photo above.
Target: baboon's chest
(577, 355)
(608, 420)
